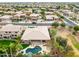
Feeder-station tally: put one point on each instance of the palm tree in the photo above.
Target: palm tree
(15, 47)
(53, 32)
(18, 39)
(3, 48)
(53, 36)
(18, 45)
(11, 46)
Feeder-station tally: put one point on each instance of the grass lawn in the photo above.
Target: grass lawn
(7, 43)
(24, 45)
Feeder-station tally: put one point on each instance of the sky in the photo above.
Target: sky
(39, 0)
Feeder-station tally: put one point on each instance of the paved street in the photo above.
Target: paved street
(29, 24)
(68, 21)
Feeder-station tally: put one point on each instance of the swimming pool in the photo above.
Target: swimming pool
(34, 50)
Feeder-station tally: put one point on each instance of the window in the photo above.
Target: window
(9, 32)
(43, 41)
(12, 35)
(15, 35)
(0, 35)
(5, 37)
(5, 32)
(16, 32)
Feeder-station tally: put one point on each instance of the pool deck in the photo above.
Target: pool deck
(44, 50)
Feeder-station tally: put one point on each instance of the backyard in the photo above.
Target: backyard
(71, 40)
(65, 33)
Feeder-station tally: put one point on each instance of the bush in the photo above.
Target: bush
(55, 24)
(53, 32)
(76, 28)
(62, 24)
(62, 42)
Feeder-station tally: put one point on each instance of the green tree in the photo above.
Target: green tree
(62, 25)
(62, 17)
(55, 24)
(33, 10)
(43, 14)
(15, 47)
(3, 48)
(53, 32)
(61, 41)
(58, 7)
(76, 28)
(18, 45)
(11, 47)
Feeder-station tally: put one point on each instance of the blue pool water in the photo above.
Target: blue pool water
(34, 50)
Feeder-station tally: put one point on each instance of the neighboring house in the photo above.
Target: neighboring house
(48, 13)
(65, 12)
(19, 12)
(9, 13)
(28, 12)
(49, 17)
(19, 17)
(71, 14)
(68, 13)
(34, 16)
(10, 31)
(36, 35)
(6, 18)
(52, 18)
(52, 10)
